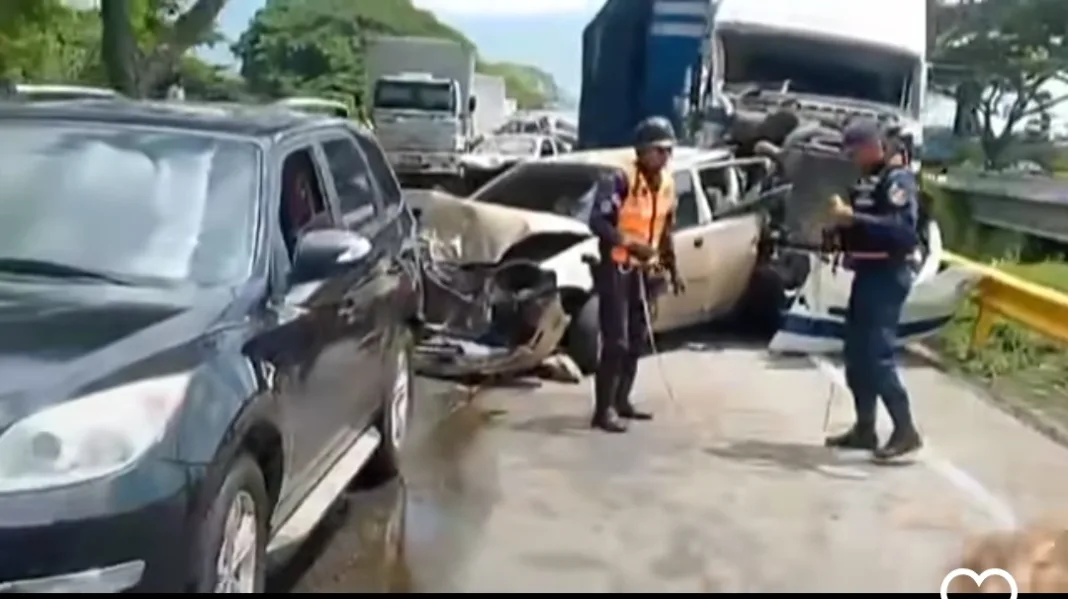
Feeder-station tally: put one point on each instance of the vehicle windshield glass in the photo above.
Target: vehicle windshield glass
(513, 146)
(563, 189)
(151, 206)
(809, 66)
(415, 95)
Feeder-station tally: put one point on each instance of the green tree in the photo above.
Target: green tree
(143, 41)
(303, 48)
(295, 47)
(45, 40)
(1004, 52)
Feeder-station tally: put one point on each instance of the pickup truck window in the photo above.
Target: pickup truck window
(686, 214)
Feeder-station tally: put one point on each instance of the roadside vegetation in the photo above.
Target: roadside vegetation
(142, 47)
(1015, 362)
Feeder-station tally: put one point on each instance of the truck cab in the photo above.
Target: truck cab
(831, 60)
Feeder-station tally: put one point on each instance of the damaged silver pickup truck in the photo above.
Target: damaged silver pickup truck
(510, 283)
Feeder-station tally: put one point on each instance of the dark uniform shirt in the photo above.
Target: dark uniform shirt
(885, 212)
(604, 220)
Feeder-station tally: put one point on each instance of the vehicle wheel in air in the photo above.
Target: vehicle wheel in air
(232, 540)
(583, 338)
(393, 423)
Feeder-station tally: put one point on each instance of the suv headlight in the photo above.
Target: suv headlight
(88, 437)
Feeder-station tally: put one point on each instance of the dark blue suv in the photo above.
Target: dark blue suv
(204, 337)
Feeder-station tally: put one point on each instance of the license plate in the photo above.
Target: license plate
(410, 161)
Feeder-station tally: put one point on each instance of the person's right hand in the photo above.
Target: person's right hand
(641, 251)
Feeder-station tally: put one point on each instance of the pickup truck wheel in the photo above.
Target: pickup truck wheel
(392, 424)
(583, 338)
(232, 540)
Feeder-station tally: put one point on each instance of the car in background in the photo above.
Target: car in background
(205, 336)
(493, 155)
(321, 106)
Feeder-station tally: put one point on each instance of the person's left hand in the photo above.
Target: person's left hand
(840, 212)
(677, 286)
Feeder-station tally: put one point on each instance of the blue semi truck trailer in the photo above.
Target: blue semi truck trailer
(638, 60)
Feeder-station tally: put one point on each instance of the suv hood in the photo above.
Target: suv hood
(479, 232)
(57, 338)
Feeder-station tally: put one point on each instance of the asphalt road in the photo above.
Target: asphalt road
(729, 489)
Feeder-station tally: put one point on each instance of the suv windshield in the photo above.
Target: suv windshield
(564, 189)
(135, 204)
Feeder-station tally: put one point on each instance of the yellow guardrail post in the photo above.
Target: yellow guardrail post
(1003, 296)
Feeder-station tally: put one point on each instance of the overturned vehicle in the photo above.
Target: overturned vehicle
(746, 247)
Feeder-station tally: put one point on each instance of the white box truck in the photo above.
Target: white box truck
(492, 103)
(422, 105)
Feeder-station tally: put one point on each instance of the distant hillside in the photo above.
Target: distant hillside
(531, 87)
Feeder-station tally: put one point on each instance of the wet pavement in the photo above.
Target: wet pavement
(729, 489)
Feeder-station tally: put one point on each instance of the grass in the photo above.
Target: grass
(1015, 361)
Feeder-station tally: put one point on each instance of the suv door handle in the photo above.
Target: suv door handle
(700, 241)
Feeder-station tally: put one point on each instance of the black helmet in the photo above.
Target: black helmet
(654, 131)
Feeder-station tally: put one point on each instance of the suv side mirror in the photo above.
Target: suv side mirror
(472, 103)
(324, 253)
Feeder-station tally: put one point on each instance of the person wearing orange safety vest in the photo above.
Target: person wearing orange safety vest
(633, 215)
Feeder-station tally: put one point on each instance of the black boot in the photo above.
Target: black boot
(858, 437)
(630, 413)
(902, 442)
(605, 422)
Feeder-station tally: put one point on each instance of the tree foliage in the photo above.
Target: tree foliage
(1005, 53)
(143, 41)
(44, 40)
(295, 47)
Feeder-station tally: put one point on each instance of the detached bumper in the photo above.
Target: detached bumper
(480, 336)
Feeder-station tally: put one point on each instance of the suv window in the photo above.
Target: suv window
(355, 190)
(380, 170)
(686, 214)
(303, 204)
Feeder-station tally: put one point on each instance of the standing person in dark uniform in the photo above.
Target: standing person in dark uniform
(633, 215)
(878, 232)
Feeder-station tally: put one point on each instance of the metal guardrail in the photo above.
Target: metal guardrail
(1031, 205)
(1002, 296)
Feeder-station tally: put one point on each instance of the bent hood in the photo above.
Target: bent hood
(478, 232)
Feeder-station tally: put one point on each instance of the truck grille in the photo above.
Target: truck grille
(406, 138)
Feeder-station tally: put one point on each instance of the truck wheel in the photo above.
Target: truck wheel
(232, 540)
(393, 421)
(583, 338)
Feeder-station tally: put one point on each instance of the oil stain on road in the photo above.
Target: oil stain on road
(411, 534)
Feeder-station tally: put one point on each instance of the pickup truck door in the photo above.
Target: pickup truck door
(694, 259)
(731, 240)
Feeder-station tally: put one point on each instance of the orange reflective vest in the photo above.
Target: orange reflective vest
(644, 212)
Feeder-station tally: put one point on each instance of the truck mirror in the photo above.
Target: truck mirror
(472, 102)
